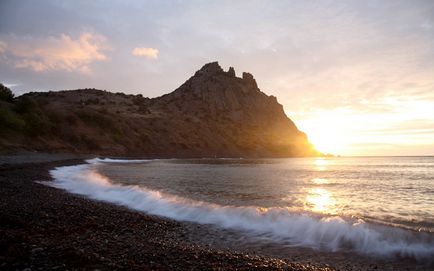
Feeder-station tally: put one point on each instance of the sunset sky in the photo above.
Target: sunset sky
(356, 76)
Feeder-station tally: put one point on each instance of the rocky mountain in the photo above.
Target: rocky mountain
(213, 114)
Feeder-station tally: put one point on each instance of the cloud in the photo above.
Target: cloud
(151, 53)
(56, 52)
(3, 47)
(10, 85)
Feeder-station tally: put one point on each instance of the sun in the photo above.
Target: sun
(326, 133)
(327, 141)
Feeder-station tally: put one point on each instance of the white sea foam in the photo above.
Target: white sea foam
(109, 160)
(330, 233)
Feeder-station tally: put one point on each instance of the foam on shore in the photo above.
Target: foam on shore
(332, 233)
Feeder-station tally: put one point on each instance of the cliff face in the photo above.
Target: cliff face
(214, 113)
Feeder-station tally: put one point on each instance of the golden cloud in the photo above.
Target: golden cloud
(151, 53)
(57, 53)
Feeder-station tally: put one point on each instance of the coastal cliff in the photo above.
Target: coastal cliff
(213, 114)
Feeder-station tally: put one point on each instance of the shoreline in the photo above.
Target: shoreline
(48, 228)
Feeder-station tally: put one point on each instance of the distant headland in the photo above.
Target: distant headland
(213, 114)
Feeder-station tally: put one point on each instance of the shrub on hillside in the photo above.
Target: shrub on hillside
(25, 104)
(9, 119)
(6, 94)
(37, 124)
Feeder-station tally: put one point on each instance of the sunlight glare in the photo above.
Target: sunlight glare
(321, 163)
(320, 200)
(326, 132)
(320, 181)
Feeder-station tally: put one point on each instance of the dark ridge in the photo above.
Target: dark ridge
(213, 114)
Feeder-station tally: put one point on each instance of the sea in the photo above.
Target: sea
(375, 206)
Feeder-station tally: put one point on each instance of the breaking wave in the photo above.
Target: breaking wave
(331, 233)
(109, 160)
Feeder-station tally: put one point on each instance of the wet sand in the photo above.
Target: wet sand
(43, 228)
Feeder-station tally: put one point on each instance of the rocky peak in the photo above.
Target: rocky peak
(210, 69)
(222, 93)
(231, 72)
(249, 79)
(220, 89)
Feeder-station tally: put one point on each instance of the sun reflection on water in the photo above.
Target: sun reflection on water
(321, 164)
(320, 181)
(320, 200)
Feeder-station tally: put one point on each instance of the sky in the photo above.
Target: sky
(356, 76)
